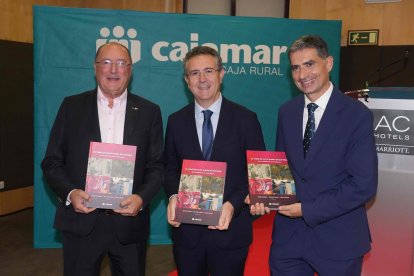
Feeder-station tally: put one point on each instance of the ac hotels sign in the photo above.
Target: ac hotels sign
(394, 131)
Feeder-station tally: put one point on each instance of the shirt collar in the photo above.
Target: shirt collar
(215, 107)
(322, 102)
(117, 100)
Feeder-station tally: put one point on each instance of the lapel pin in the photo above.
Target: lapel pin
(134, 108)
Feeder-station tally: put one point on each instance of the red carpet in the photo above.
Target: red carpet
(257, 260)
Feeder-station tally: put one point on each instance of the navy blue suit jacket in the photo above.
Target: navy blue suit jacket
(335, 180)
(66, 159)
(238, 130)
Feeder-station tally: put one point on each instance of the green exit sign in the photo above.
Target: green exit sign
(367, 37)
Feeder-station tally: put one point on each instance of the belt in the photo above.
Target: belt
(106, 212)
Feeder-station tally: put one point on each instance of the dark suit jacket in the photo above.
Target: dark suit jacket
(66, 159)
(335, 180)
(237, 131)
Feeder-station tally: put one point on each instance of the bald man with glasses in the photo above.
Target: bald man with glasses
(111, 114)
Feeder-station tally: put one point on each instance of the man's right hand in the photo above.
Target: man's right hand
(171, 211)
(77, 198)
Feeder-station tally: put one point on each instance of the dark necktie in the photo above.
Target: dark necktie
(207, 136)
(310, 127)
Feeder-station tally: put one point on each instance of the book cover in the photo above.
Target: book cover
(270, 179)
(110, 174)
(200, 193)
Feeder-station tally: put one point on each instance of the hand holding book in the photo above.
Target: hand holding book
(130, 206)
(226, 215)
(171, 209)
(78, 198)
(293, 210)
(258, 208)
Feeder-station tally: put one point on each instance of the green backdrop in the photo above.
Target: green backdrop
(253, 51)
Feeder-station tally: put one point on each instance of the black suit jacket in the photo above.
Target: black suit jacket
(66, 159)
(238, 130)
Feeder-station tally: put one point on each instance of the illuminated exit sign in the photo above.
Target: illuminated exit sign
(368, 37)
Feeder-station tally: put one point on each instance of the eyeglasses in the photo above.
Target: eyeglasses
(207, 72)
(107, 63)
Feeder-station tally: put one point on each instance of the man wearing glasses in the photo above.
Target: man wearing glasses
(220, 249)
(110, 114)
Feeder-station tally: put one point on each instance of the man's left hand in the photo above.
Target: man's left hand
(292, 211)
(227, 211)
(130, 206)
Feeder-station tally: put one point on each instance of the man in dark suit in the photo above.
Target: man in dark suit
(329, 142)
(108, 114)
(220, 249)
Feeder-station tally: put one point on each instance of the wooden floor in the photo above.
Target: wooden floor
(19, 258)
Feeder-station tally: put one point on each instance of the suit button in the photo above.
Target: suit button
(303, 180)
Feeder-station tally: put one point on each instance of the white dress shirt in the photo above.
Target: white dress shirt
(322, 102)
(112, 120)
(199, 117)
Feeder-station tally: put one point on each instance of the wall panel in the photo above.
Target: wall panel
(355, 14)
(307, 9)
(15, 200)
(399, 23)
(16, 20)
(371, 63)
(16, 115)
(16, 16)
(394, 20)
(262, 8)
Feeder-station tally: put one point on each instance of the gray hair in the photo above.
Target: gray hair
(202, 50)
(310, 42)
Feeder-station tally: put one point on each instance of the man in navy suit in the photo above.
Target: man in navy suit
(221, 249)
(335, 173)
(108, 114)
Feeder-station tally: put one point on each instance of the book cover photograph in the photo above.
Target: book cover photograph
(110, 174)
(200, 193)
(270, 179)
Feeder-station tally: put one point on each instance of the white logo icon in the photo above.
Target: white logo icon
(118, 35)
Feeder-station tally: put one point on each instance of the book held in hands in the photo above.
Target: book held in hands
(110, 174)
(200, 193)
(270, 179)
